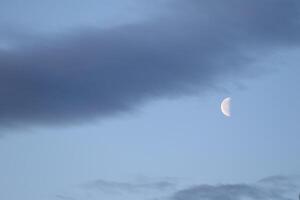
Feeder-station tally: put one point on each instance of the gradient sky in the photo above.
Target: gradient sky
(120, 99)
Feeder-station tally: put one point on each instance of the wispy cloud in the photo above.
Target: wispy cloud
(62, 197)
(140, 189)
(115, 187)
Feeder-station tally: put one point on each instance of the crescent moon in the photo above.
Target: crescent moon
(226, 107)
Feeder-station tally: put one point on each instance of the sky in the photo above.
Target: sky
(120, 99)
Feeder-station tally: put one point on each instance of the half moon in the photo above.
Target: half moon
(226, 107)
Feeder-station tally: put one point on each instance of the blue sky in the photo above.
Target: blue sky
(121, 100)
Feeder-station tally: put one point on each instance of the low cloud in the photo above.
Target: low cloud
(271, 188)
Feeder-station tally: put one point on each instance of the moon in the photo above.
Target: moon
(226, 107)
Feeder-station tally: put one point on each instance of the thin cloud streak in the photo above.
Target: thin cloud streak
(115, 187)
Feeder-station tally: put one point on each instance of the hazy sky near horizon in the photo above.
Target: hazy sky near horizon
(120, 99)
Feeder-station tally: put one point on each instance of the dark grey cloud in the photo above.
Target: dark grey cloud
(94, 73)
(277, 187)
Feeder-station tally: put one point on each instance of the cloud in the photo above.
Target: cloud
(270, 188)
(64, 197)
(94, 73)
(226, 192)
(104, 189)
(282, 183)
(128, 187)
(276, 188)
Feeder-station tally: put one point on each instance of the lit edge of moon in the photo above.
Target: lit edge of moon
(226, 107)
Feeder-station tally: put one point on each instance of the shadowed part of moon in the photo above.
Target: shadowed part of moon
(226, 107)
